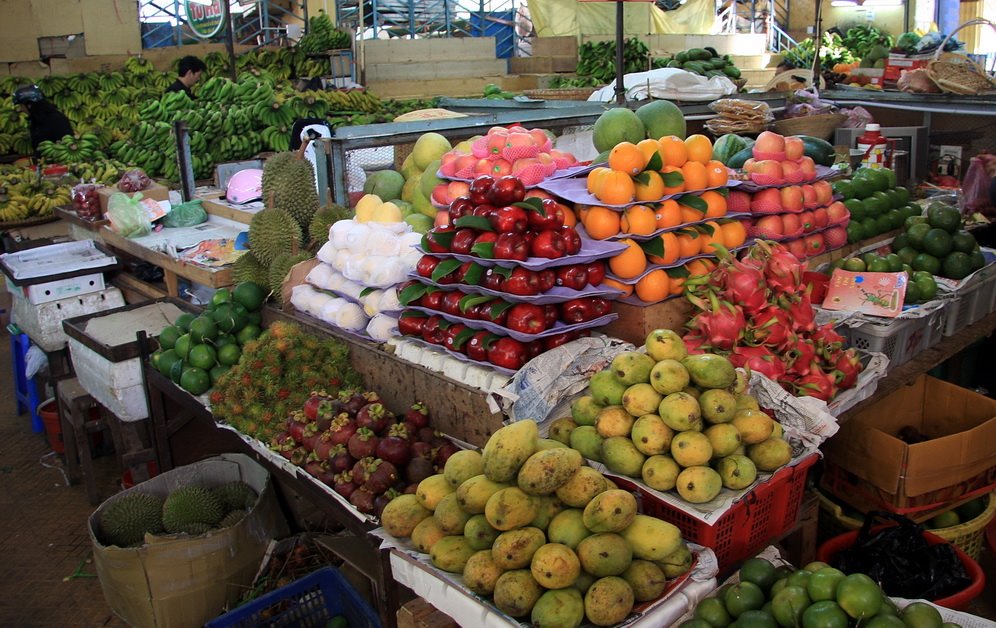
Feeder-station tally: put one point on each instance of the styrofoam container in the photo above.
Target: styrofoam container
(116, 385)
(59, 289)
(43, 322)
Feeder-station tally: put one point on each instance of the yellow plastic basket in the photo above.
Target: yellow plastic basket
(969, 536)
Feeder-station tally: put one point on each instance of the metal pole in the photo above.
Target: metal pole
(230, 45)
(620, 40)
(184, 165)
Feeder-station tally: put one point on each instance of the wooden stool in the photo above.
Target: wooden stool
(75, 405)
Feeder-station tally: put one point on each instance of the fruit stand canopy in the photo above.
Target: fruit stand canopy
(552, 18)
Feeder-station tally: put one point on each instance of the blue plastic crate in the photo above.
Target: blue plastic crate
(309, 602)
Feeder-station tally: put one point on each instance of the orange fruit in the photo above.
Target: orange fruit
(595, 177)
(673, 150)
(668, 214)
(715, 204)
(717, 175)
(652, 190)
(653, 286)
(570, 218)
(601, 222)
(706, 238)
(690, 214)
(582, 211)
(627, 289)
(672, 250)
(677, 285)
(649, 148)
(617, 188)
(638, 220)
(630, 263)
(628, 158)
(688, 244)
(699, 267)
(678, 186)
(696, 177)
(734, 233)
(699, 148)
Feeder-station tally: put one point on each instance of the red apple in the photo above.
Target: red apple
(507, 190)
(509, 219)
(548, 245)
(411, 323)
(576, 311)
(434, 329)
(522, 282)
(512, 246)
(479, 188)
(551, 314)
(596, 272)
(546, 279)
(435, 239)
(572, 241)
(426, 264)
(463, 240)
(461, 206)
(433, 300)
(452, 341)
(451, 303)
(494, 280)
(526, 318)
(508, 353)
(551, 218)
(477, 347)
(574, 276)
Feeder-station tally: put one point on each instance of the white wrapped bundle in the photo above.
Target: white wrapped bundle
(329, 311)
(301, 297)
(335, 282)
(382, 327)
(351, 289)
(338, 233)
(327, 253)
(392, 272)
(356, 238)
(354, 268)
(320, 276)
(351, 317)
(342, 256)
(383, 242)
(389, 301)
(409, 240)
(371, 302)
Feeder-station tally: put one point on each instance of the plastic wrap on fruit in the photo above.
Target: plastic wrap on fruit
(86, 201)
(382, 327)
(134, 180)
(127, 216)
(320, 276)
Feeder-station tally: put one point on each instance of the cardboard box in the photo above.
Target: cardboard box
(959, 457)
(155, 191)
(420, 614)
(895, 65)
(635, 322)
(177, 580)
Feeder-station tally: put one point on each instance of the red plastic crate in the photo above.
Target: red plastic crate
(766, 512)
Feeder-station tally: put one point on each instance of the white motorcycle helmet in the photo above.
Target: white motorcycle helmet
(245, 186)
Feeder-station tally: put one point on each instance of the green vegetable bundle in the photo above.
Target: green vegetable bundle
(597, 59)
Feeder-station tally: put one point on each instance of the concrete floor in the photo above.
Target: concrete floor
(46, 577)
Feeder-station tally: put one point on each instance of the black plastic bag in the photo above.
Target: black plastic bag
(902, 561)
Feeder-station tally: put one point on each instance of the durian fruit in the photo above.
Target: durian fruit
(232, 518)
(125, 522)
(289, 184)
(324, 218)
(191, 504)
(249, 268)
(280, 267)
(235, 496)
(273, 232)
(193, 529)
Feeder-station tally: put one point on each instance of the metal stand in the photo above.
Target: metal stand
(620, 42)
(184, 165)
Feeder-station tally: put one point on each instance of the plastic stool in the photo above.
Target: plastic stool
(25, 389)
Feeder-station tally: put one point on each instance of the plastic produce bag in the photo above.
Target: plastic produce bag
(901, 560)
(127, 216)
(186, 214)
(978, 184)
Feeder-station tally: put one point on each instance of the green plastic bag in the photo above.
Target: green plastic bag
(127, 216)
(185, 214)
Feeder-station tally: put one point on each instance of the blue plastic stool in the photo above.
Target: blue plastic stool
(25, 389)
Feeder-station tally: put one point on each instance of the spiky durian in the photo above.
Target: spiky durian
(235, 496)
(273, 232)
(289, 184)
(191, 504)
(324, 218)
(280, 267)
(249, 268)
(232, 518)
(126, 520)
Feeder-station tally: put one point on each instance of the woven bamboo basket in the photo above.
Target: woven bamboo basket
(821, 125)
(573, 93)
(957, 74)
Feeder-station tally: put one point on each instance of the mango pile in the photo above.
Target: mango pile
(677, 421)
(550, 539)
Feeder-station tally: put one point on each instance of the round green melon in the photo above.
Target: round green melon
(617, 125)
(661, 118)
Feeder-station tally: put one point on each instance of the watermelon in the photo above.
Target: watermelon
(727, 146)
(820, 150)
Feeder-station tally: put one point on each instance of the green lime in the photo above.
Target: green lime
(177, 370)
(230, 318)
(895, 218)
(166, 360)
(857, 209)
(880, 265)
(756, 619)
(255, 318)
(912, 209)
(859, 596)
(916, 235)
(800, 578)
(884, 223)
(926, 285)
(779, 584)
(927, 262)
(937, 242)
(946, 519)
(855, 232)
(945, 217)
(837, 263)
(914, 220)
(908, 269)
(904, 194)
(913, 293)
(884, 621)
(743, 597)
(895, 202)
(867, 258)
(870, 227)
(890, 177)
(862, 187)
(863, 172)
(202, 356)
(183, 321)
(249, 332)
(154, 358)
(695, 623)
(978, 259)
(195, 381)
(876, 206)
(824, 614)
(906, 255)
(224, 339)
(712, 610)
(221, 296)
(203, 328)
(182, 346)
(963, 241)
(217, 372)
(250, 295)
(900, 241)
(855, 265)
(844, 188)
(971, 510)
(168, 336)
(895, 263)
(229, 354)
(788, 604)
(957, 265)
(760, 572)
(880, 179)
(922, 615)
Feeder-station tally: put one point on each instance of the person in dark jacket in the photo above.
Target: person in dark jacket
(45, 121)
(189, 71)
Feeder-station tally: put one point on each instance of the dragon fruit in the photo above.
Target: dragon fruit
(759, 359)
(744, 286)
(800, 312)
(771, 327)
(782, 270)
(802, 359)
(847, 367)
(817, 384)
(828, 342)
(720, 322)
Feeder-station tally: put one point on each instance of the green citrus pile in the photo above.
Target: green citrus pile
(817, 596)
(922, 286)
(936, 243)
(196, 350)
(875, 203)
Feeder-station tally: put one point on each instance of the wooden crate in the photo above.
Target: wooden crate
(420, 614)
(636, 322)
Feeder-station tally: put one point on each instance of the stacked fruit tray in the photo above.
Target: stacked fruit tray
(508, 278)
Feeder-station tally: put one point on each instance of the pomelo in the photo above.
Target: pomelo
(662, 117)
(429, 180)
(428, 148)
(386, 184)
(617, 125)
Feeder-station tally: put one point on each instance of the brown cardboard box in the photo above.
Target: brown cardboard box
(155, 191)
(176, 580)
(420, 614)
(635, 322)
(959, 455)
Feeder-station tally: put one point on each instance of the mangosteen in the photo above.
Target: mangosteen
(340, 460)
(361, 470)
(375, 417)
(342, 428)
(313, 466)
(363, 500)
(383, 500)
(298, 456)
(444, 452)
(324, 446)
(395, 450)
(344, 484)
(411, 489)
(421, 450)
(326, 476)
(417, 415)
(363, 443)
(418, 469)
(352, 401)
(426, 434)
(382, 475)
(295, 427)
